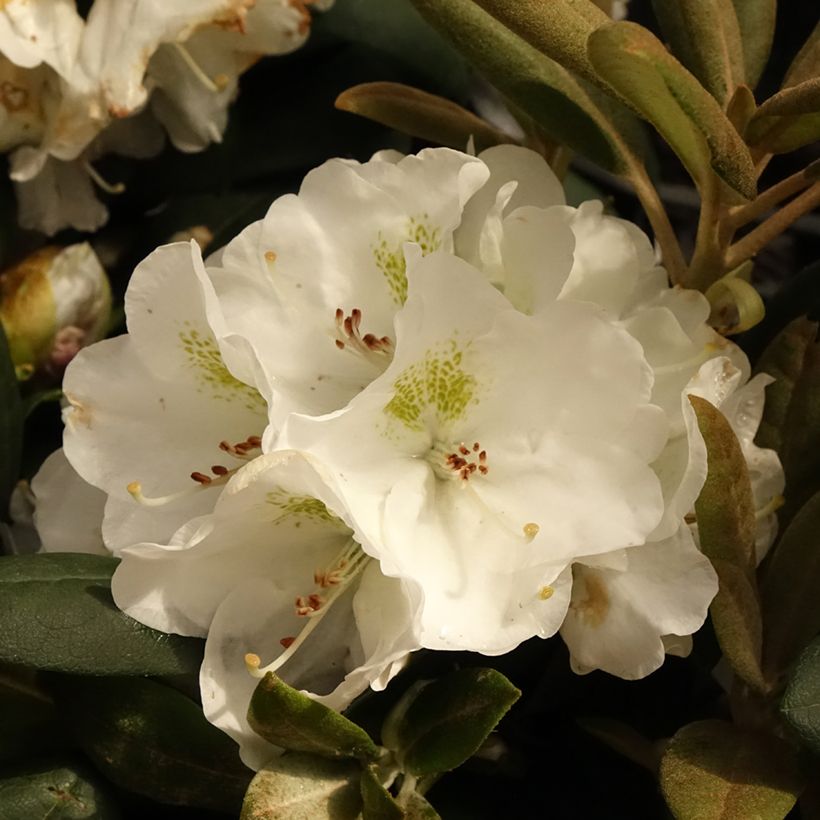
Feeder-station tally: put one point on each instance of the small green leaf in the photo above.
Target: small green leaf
(705, 37)
(726, 527)
(420, 114)
(714, 771)
(789, 590)
(288, 718)
(756, 19)
(448, 719)
(63, 792)
(11, 425)
(800, 706)
(788, 120)
(636, 64)
(791, 418)
(304, 787)
(568, 111)
(57, 614)
(153, 740)
(379, 804)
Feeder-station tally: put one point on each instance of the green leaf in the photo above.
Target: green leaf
(568, 111)
(636, 64)
(304, 787)
(151, 739)
(420, 114)
(789, 590)
(378, 803)
(419, 809)
(756, 19)
(791, 418)
(800, 706)
(557, 28)
(806, 65)
(54, 792)
(714, 771)
(705, 36)
(11, 425)
(28, 717)
(447, 720)
(726, 527)
(788, 120)
(57, 614)
(288, 718)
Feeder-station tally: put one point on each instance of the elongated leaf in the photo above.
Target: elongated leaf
(11, 425)
(288, 718)
(801, 701)
(557, 28)
(568, 111)
(378, 803)
(806, 65)
(757, 21)
(726, 526)
(419, 809)
(714, 771)
(705, 36)
(420, 114)
(791, 420)
(791, 603)
(304, 787)
(48, 792)
(57, 613)
(788, 120)
(635, 63)
(151, 739)
(448, 719)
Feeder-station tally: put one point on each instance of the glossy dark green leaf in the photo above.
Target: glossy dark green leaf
(445, 722)
(712, 770)
(288, 718)
(11, 425)
(420, 114)
(377, 802)
(705, 37)
(638, 67)
(757, 20)
(57, 613)
(63, 791)
(800, 706)
(300, 786)
(791, 418)
(569, 111)
(789, 590)
(726, 528)
(151, 739)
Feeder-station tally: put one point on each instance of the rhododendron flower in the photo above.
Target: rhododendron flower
(273, 576)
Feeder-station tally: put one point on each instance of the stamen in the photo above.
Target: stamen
(101, 182)
(370, 346)
(337, 576)
(196, 70)
(462, 461)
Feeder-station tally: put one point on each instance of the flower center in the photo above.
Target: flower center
(330, 582)
(348, 337)
(219, 474)
(458, 461)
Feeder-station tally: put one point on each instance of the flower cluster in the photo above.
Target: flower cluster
(422, 403)
(73, 89)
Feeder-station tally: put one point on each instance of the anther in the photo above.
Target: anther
(219, 470)
(201, 478)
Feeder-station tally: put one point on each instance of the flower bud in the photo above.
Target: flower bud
(54, 302)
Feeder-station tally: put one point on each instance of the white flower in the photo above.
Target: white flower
(155, 414)
(481, 463)
(273, 576)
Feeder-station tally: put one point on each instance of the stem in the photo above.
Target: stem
(707, 260)
(773, 196)
(764, 233)
(658, 219)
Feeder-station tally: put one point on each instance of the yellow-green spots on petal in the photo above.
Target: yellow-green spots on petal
(438, 382)
(204, 356)
(300, 507)
(389, 256)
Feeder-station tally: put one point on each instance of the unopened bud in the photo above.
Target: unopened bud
(54, 302)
